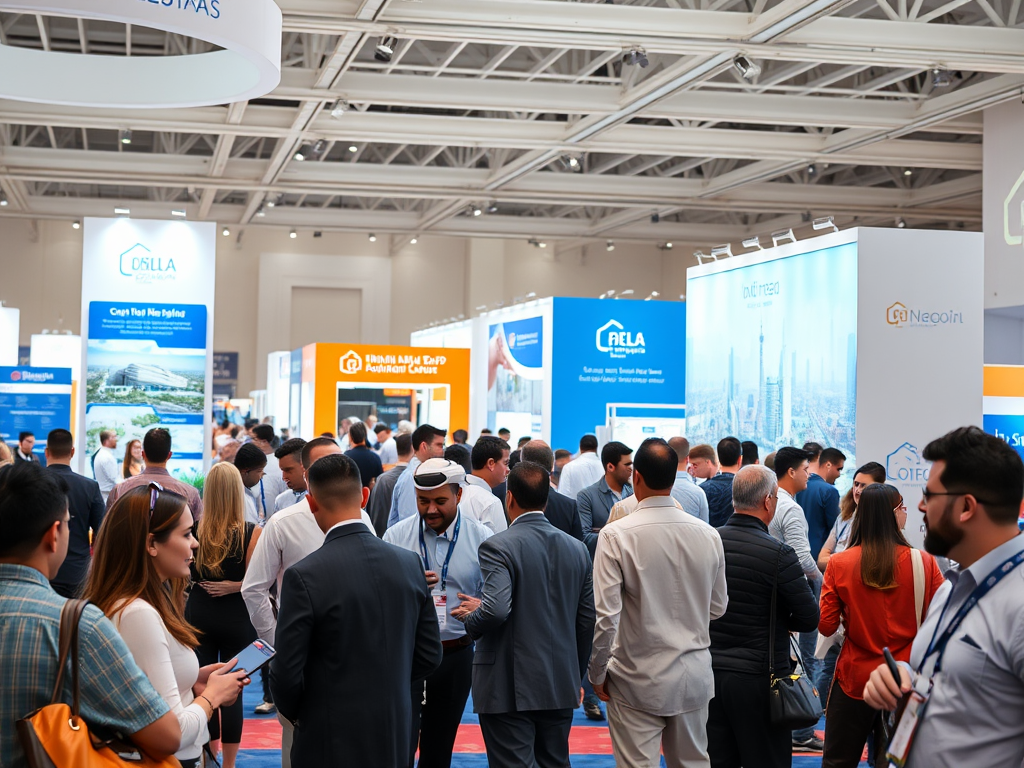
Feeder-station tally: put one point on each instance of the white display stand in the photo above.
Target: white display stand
(912, 303)
(10, 325)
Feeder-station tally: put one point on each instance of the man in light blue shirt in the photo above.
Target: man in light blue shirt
(689, 495)
(447, 542)
(427, 443)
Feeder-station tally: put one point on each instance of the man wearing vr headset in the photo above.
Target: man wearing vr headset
(447, 542)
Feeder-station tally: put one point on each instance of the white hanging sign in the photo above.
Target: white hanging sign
(249, 66)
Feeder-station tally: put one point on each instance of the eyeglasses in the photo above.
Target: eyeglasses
(901, 507)
(927, 495)
(155, 489)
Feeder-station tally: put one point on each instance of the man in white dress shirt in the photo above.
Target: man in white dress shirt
(104, 465)
(685, 490)
(288, 537)
(385, 446)
(273, 482)
(659, 580)
(585, 470)
(490, 468)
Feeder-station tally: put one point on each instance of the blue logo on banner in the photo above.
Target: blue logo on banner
(524, 339)
(905, 465)
(1008, 427)
(140, 263)
(35, 400)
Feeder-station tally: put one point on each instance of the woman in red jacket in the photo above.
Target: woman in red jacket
(870, 589)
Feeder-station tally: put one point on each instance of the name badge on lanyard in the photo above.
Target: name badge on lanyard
(439, 594)
(440, 607)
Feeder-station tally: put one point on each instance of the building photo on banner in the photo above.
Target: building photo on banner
(147, 301)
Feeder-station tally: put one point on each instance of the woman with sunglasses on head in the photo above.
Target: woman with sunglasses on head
(215, 606)
(140, 567)
(132, 464)
(872, 589)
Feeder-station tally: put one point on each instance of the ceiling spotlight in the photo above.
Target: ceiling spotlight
(373, 238)
(271, 202)
(261, 211)
(627, 292)
(76, 225)
(542, 244)
(414, 241)
(492, 207)
(530, 295)
(725, 251)
(319, 147)
(700, 256)
(476, 210)
(226, 232)
(572, 162)
(635, 56)
(654, 295)
(339, 108)
(908, 172)
(610, 245)
(300, 155)
(122, 211)
(655, 217)
(125, 135)
(749, 70)
(318, 234)
(753, 242)
(385, 48)
(353, 148)
(941, 78)
(665, 247)
(293, 234)
(901, 223)
(812, 169)
(825, 222)
(179, 213)
(782, 236)
(3, 199)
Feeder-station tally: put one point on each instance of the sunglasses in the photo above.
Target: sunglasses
(155, 489)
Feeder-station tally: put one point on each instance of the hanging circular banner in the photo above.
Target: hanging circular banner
(249, 66)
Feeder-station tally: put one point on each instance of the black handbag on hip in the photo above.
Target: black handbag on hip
(793, 701)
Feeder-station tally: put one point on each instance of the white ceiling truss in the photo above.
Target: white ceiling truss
(866, 110)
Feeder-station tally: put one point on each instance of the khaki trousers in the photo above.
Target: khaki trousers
(287, 733)
(639, 737)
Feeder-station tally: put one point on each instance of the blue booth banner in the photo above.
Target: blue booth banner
(35, 400)
(515, 389)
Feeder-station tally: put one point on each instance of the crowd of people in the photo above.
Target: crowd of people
(672, 590)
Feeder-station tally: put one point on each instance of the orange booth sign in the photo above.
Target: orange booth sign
(419, 384)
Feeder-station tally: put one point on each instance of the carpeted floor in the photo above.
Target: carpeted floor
(589, 742)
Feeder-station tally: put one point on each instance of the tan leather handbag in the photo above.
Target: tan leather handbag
(55, 736)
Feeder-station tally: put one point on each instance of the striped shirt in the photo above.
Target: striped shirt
(114, 691)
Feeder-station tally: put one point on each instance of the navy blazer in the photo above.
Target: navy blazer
(820, 503)
(535, 625)
(562, 513)
(357, 626)
(85, 504)
(595, 504)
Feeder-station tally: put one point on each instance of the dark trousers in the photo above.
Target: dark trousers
(848, 722)
(740, 731)
(537, 739)
(436, 723)
(220, 643)
(70, 591)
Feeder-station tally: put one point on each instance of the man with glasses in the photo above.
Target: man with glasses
(156, 452)
(792, 468)
(966, 672)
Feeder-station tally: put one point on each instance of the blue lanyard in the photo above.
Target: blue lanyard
(263, 500)
(938, 645)
(448, 557)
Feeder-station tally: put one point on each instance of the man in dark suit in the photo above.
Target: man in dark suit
(560, 511)
(357, 626)
(26, 441)
(532, 645)
(85, 504)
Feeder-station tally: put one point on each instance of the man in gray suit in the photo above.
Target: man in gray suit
(533, 645)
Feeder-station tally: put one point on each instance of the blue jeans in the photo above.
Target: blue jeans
(828, 671)
(812, 666)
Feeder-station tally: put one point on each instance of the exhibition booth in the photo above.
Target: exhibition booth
(559, 368)
(845, 339)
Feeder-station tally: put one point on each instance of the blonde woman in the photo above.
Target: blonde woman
(140, 567)
(215, 606)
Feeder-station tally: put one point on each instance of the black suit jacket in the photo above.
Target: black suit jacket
(562, 513)
(85, 503)
(535, 626)
(356, 627)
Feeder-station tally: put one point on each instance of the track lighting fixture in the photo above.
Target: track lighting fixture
(179, 213)
(749, 69)
(782, 236)
(301, 152)
(610, 245)
(125, 136)
(941, 78)
(119, 211)
(635, 56)
(3, 199)
(655, 217)
(339, 108)
(753, 242)
(724, 251)
(476, 210)
(385, 48)
(825, 222)
(653, 295)
(492, 207)
(901, 223)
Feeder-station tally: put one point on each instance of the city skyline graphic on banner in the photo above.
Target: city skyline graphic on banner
(772, 352)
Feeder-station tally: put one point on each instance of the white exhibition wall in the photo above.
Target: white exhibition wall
(869, 340)
(10, 322)
(1003, 205)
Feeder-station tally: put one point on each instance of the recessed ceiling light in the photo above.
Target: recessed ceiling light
(293, 234)
(413, 241)
(226, 232)
(373, 238)
(353, 148)
(76, 225)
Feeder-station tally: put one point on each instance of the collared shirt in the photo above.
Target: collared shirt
(483, 507)
(379, 504)
(105, 469)
(820, 503)
(479, 482)
(659, 580)
(976, 708)
(169, 482)
(114, 691)
(628, 506)
(273, 480)
(718, 491)
(257, 509)
(464, 568)
(344, 522)
(403, 498)
(288, 499)
(790, 527)
(690, 497)
(388, 452)
(586, 469)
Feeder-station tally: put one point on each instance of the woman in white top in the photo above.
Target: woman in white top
(139, 572)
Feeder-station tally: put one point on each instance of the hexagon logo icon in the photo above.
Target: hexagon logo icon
(350, 363)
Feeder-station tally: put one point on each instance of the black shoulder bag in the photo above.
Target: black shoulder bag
(793, 700)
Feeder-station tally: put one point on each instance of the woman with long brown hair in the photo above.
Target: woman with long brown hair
(139, 571)
(879, 588)
(132, 464)
(215, 606)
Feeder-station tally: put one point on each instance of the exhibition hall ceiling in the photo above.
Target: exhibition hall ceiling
(535, 119)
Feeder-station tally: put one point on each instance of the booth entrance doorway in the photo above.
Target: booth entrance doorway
(392, 403)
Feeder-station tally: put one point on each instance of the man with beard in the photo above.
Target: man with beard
(966, 673)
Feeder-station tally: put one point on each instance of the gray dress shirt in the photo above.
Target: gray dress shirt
(975, 716)
(689, 495)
